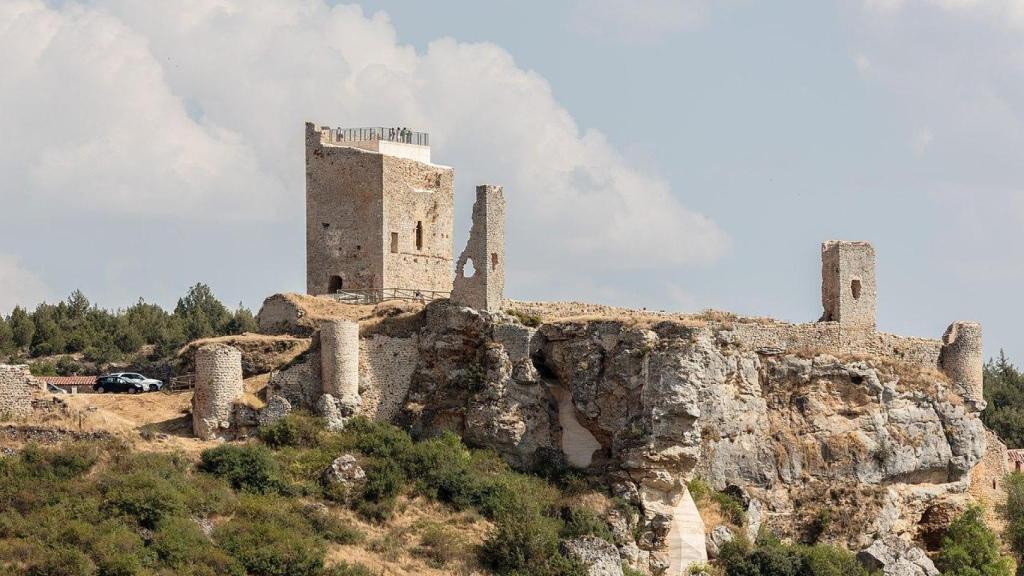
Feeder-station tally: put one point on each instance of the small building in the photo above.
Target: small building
(70, 384)
(1015, 460)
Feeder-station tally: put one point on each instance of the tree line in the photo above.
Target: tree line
(102, 336)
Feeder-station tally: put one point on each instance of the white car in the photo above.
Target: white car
(147, 384)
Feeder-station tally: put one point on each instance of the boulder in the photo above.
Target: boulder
(717, 538)
(598, 556)
(343, 470)
(277, 407)
(895, 556)
(335, 412)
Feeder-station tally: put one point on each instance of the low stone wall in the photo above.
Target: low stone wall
(16, 388)
(386, 365)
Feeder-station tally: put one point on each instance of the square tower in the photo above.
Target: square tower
(378, 212)
(848, 284)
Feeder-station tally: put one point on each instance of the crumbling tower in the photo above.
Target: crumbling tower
(485, 252)
(218, 387)
(961, 360)
(848, 284)
(339, 359)
(378, 212)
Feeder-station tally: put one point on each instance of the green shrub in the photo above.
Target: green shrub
(62, 562)
(522, 541)
(296, 430)
(142, 496)
(380, 490)
(248, 468)
(770, 557)
(969, 548)
(526, 318)
(270, 539)
(1013, 512)
(65, 463)
(380, 439)
(581, 521)
(180, 544)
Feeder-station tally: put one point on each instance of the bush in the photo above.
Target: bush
(62, 562)
(248, 468)
(182, 545)
(332, 528)
(143, 496)
(772, 558)
(297, 430)
(384, 481)
(969, 548)
(584, 522)
(269, 539)
(1013, 512)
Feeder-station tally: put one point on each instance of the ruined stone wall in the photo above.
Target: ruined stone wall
(344, 212)
(386, 365)
(418, 224)
(961, 359)
(218, 387)
(829, 337)
(483, 290)
(16, 388)
(299, 384)
(339, 359)
(987, 478)
(848, 291)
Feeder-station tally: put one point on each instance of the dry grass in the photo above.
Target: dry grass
(423, 539)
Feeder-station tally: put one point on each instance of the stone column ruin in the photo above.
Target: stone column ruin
(218, 387)
(339, 360)
(485, 249)
(961, 360)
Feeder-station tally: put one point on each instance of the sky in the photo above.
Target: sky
(669, 154)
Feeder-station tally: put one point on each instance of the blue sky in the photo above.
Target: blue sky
(673, 154)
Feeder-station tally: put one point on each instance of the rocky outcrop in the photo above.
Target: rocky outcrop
(599, 557)
(873, 440)
(897, 557)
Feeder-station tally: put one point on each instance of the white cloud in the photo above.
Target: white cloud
(639, 20)
(195, 109)
(922, 139)
(18, 285)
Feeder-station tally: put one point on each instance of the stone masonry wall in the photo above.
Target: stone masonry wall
(339, 359)
(218, 387)
(418, 206)
(16, 387)
(386, 365)
(486, 249)
(848, 283)
(344, 213)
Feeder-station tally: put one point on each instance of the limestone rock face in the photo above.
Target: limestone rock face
(895, 556)
(599, 557)
(718, 538)
(872, 441)
(335, 412)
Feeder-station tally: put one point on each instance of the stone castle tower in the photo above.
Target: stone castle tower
(378, 212)
(848, 284)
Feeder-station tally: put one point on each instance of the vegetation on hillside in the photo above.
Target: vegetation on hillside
(86, 333)
(1004, 393)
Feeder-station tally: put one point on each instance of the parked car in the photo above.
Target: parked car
(129, 382)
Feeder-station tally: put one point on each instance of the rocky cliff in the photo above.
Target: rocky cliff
(819, 444)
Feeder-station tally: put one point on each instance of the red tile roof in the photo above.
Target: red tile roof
(69, 380)
(1015, 455)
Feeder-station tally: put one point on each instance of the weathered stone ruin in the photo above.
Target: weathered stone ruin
(218, 388)
(485, 253)
(17, 387)
(848, 284)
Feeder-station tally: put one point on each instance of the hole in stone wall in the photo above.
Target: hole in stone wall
(419, 235)
(855, 288)
(494, 260)
(334, 284)
(394, 242)
(469, 269)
